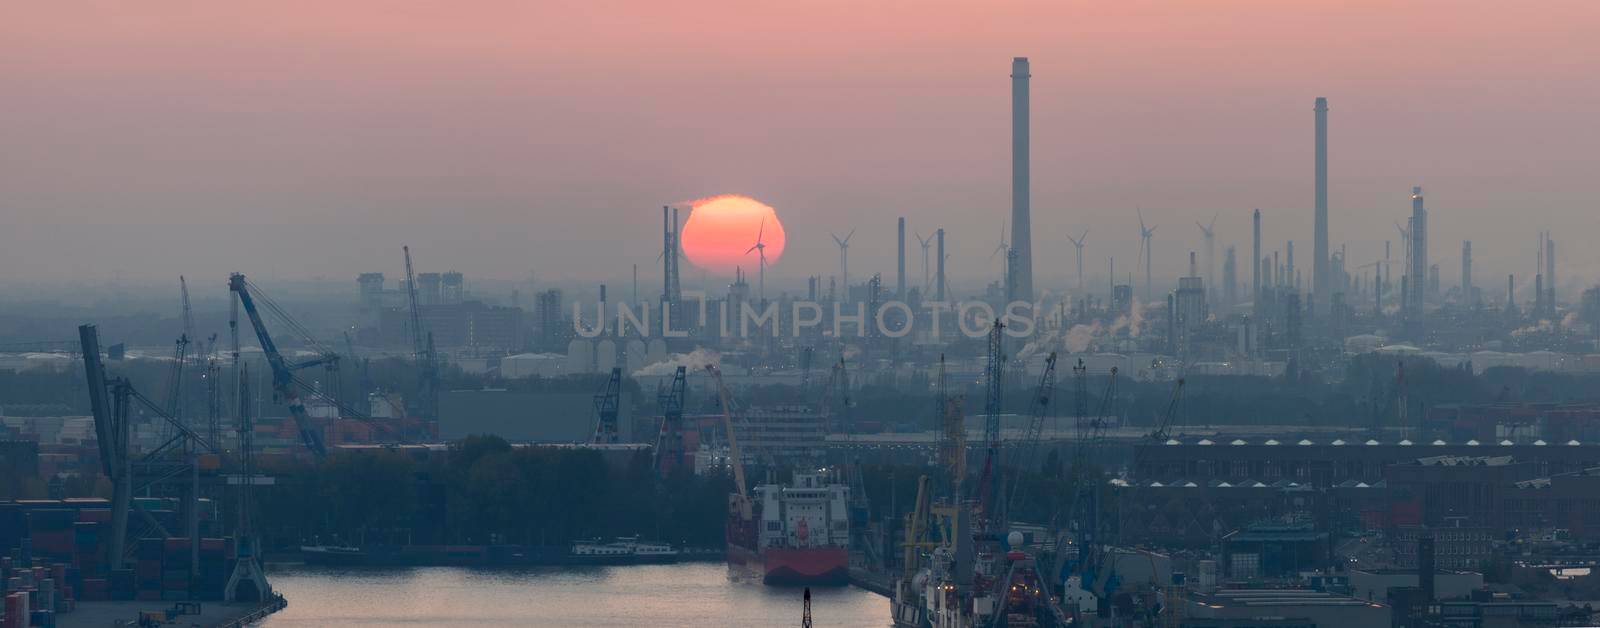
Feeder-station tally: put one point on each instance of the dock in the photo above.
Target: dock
(212, 614)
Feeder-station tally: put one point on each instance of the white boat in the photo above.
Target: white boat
(626, 550)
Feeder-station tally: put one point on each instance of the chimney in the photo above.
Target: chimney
(1193, 270)
(1550, 273)
(1418, 255)
(1466, 272)
(900, 276)
(1288, 270)
(1021, 190)
(939, 286)
(1255, 258)
(1321, 283)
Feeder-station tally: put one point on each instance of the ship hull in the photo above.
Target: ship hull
(811, 566)
(819, 566)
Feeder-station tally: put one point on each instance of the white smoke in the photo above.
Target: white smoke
(1544, 325)
(693, 361)
(1038, 343)
(1080, 337)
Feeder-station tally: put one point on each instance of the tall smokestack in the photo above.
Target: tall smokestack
(900, 276)
(1194, 271)
(1550, 274)
(1230, 279)
(1288, 270)
(1466, 272)
(1321, 283)
(1255, 260)
(1419, 254)
(666, 254)
(677, 257)
(939, 285)
(1021, 191)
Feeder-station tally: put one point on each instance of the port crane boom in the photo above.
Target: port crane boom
(283, 380)
(735, 461)
(422, 349)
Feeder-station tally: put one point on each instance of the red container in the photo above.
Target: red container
(148, 595)
(147, 570)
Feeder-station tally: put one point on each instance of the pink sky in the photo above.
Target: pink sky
(500, 138)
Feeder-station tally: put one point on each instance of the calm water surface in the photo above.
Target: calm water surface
(691, 594)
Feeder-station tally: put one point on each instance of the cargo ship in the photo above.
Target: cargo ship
(794, 534)
(797, 533)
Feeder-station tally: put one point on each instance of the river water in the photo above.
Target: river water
(664, 596)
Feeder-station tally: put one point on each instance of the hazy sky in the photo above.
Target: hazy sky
(304, 139)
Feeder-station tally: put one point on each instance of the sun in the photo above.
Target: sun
(722, 229)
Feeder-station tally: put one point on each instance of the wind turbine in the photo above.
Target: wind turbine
(1145, 244)
(1209, 230)
(1079, 244)
(760, 249)
(926, 242)
(844, 260)
(1002, 248)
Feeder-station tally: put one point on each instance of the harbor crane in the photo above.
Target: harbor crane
(1035, 430)
(989, 481)
(173, 462)
(669, 444)
(741, 499)
(283, 378)
(286, 385)
(606, 406)
(1161, 433)
(422, 349)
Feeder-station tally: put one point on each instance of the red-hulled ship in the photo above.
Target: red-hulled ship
(796, 534)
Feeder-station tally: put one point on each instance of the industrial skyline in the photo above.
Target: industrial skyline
(467, 347)
(484, 169)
